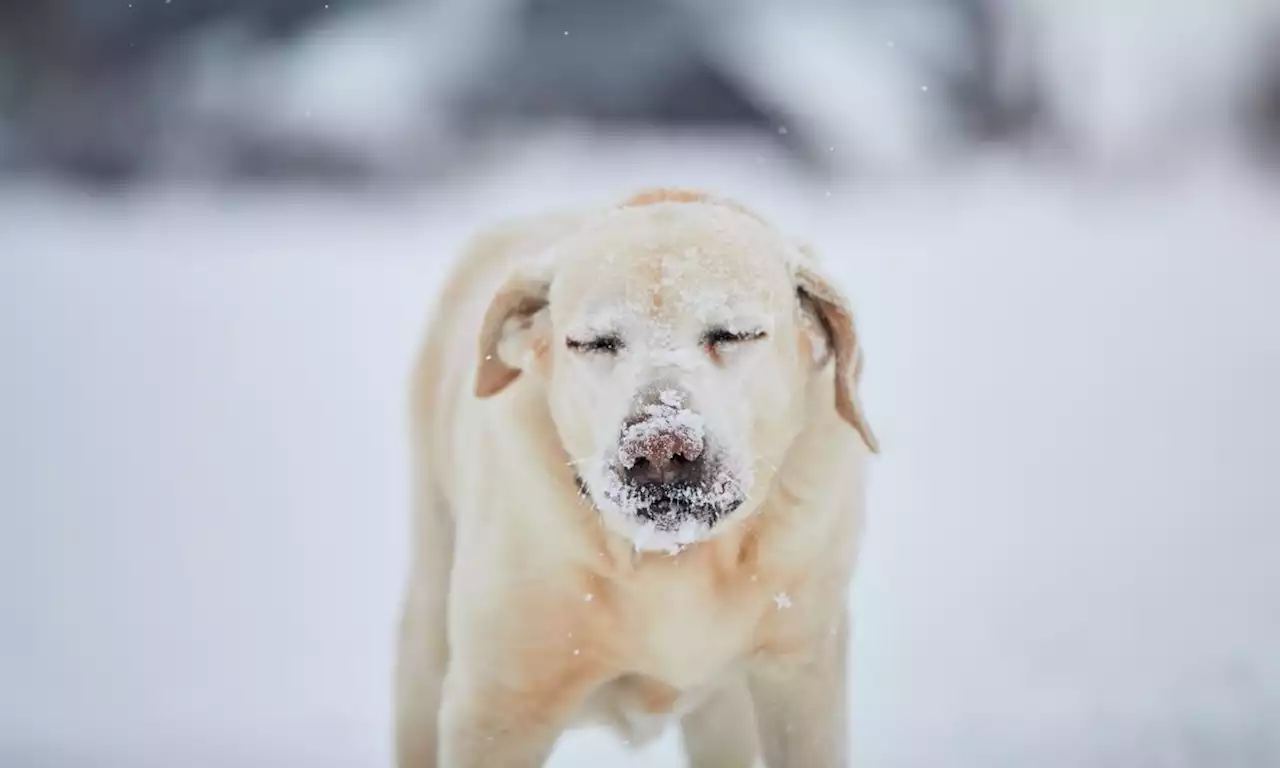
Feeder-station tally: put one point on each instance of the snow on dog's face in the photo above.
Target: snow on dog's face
(676, 339)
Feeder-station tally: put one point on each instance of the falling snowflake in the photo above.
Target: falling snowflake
(782, 600)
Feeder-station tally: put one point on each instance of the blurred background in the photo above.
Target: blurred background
(223, 222)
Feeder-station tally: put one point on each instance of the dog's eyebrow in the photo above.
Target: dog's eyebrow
(599, 322)
(740, 319)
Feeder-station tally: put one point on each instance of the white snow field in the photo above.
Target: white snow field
(1072, 552)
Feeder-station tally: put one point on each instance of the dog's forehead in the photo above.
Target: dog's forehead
(674, 261)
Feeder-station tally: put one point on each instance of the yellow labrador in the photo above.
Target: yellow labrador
(639, 459)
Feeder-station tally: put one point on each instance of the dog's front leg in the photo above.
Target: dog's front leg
(507, 721)
(801, 703)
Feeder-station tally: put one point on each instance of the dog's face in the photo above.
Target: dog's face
(676, 344)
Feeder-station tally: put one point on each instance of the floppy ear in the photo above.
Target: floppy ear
(836, 319)
(506, 330)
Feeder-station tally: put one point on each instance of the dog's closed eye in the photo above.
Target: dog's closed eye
(608, 344)
(720, 337)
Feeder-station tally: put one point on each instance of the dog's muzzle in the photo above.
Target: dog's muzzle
(664, 472)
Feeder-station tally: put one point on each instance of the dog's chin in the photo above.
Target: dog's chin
(657, 517)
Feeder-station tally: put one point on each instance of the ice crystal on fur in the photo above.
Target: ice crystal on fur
(660, 516)
(664, 424)
(683, 511)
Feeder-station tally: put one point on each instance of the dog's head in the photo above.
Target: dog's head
(676, 339)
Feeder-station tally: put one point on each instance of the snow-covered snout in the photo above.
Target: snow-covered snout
(666, 470)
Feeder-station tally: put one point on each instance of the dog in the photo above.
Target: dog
(639, 457)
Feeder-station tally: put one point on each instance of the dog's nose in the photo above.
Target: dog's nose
(657, 450)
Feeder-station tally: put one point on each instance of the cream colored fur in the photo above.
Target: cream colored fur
(532, 607)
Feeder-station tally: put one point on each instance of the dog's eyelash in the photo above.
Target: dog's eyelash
(718, 336)
(610, 344)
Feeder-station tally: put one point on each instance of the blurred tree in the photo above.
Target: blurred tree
(638, 61)
(1263, 111)
(88, 80)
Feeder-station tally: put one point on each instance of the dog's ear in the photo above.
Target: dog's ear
(507, 333)
(824, 302)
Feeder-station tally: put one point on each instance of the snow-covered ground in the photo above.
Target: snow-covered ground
(1072, 550)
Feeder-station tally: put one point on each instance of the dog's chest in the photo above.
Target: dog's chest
(680, 631)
